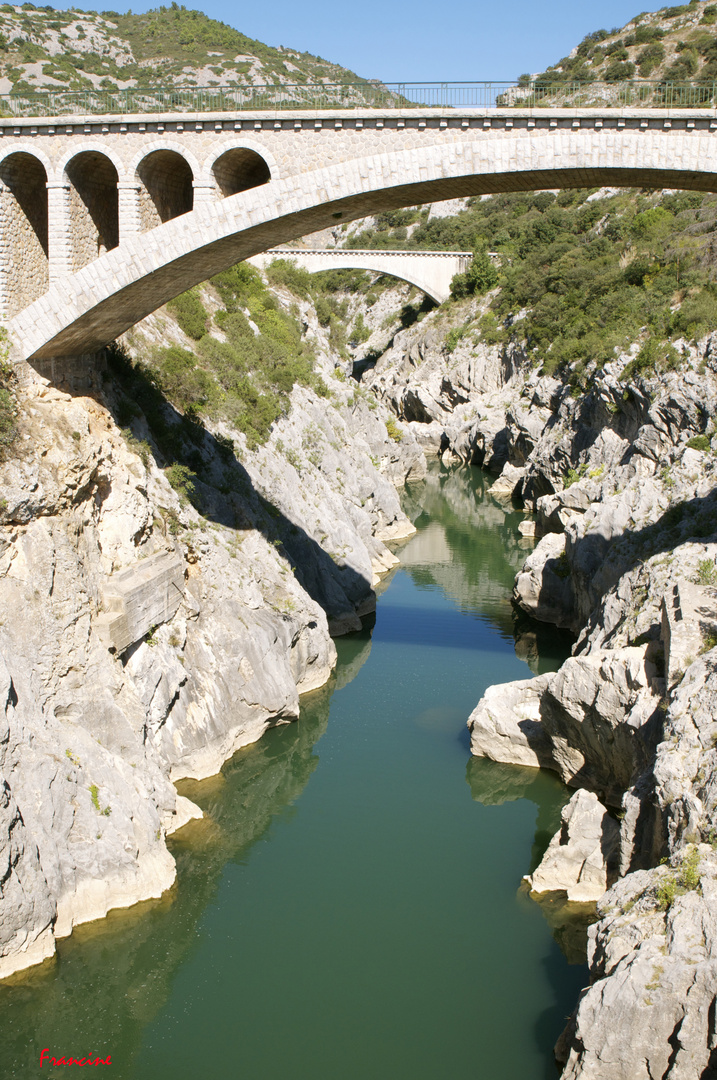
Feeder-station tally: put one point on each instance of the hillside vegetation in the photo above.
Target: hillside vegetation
(677, 44)
(41, 48)
(581, 274)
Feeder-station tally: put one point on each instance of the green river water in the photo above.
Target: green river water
(349, 907)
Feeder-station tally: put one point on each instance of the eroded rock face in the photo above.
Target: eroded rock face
(506, 724)
(155, 641)
(626, 522)
(543, 587)
(593, 721)
(649, 1010)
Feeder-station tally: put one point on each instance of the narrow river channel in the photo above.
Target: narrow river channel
(349, 907)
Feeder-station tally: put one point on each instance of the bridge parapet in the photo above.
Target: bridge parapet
(645, 93)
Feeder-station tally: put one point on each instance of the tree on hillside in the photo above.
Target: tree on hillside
(480, 276)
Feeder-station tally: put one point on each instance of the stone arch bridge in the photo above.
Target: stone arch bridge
(104, 219)
(430, 271)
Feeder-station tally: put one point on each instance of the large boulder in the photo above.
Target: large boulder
(505, 725)
(581, 859)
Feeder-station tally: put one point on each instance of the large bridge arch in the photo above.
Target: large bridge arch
(86, 310)
(92, 176)
(94, 145)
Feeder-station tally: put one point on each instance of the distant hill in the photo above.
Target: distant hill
(41, 48)
(678, 44)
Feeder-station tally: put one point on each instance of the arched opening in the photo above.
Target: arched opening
(166, 190)
(240, 169)
(94, 209)
(23, 226)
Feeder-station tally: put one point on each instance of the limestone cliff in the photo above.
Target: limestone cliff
(149, 631)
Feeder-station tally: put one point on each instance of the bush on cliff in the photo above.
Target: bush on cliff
(589, 270)
(247, 378)
(190, 313)
(8, 405)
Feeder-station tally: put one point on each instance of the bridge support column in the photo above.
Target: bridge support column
(129, 217)
(5, 241)
(59, 252)
(204, 191)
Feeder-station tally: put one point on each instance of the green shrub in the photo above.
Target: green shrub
(190, 313)
(8, 416)
(480, 276)
(453, 337)
(182, 479)
(619, 71)
(666, 892)
(689, 873)
(652, 223)
(285, 272)
(649, 59)
(706, 572)
(573, 475)
(685, 879)
(237, 285)
(359, 332)
(491, 329)
(699, 442)
(644, 34)
(350, 281)
(179, 377)
(654, 356)
(394, 430)
(139, 446)
(697, 315)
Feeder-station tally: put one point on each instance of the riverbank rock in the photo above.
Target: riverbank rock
(543, 587)
(653, 960)
(506, 724)
(652, 954)
(581, 859)
(507, 486)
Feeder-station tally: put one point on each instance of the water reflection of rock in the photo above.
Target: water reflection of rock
(543, 647)
(493, 783)
(469, 546)
(113, 976)
(569, 922)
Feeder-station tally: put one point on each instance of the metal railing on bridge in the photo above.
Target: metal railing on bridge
(277, 96)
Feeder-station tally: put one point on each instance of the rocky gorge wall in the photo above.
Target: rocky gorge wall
(621, 483)
(144, 640)
(170, 625)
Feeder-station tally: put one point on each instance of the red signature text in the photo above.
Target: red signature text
(89, 1060)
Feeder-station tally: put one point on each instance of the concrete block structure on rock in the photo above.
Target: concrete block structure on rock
(138, 598)
(688, 623)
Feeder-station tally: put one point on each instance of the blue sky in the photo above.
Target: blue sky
(464, 40)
